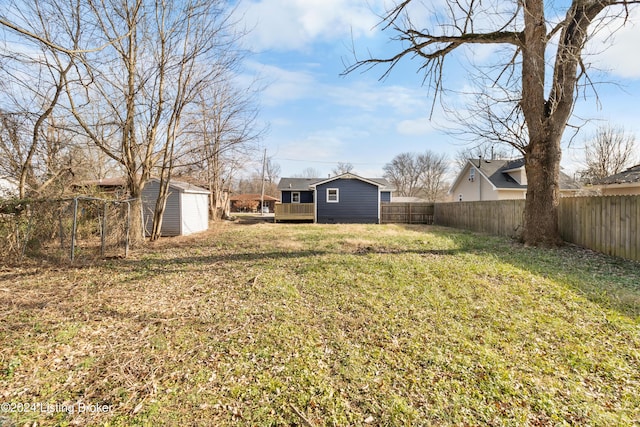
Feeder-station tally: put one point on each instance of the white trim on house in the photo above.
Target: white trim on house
(337, 195)
(346, 176)
(293, 194)
(465, 173)
(315, 205)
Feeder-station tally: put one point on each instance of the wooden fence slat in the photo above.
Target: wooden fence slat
(608, 224)
(406, 213)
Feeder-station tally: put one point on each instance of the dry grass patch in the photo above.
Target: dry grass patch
(280, 324)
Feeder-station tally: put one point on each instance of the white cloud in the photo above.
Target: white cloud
(615, 47)
(318, 146)
(282, 85)
(367, 96)
(295, 24)
(416, 127)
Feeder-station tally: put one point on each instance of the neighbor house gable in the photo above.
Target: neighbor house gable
(498, 179)
(489, 180)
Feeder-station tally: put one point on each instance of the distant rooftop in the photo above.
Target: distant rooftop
(304, 184)
(627, 176)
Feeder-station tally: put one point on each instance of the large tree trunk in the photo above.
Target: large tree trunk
(542, 163)
(136, 224)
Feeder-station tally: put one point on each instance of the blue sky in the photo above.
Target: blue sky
(318, 118)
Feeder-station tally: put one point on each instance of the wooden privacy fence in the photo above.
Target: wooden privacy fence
(607, 224)
(406, 213)
(499, 217)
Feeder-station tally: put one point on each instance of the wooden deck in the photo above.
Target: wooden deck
(294, 212)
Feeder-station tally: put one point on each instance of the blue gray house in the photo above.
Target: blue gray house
(345, 198)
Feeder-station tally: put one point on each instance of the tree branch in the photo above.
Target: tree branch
(49, 43)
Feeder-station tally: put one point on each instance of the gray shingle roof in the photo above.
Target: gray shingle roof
(625, 177)
(186, 187)
(297, 184)
(303, 184)
(496, 171)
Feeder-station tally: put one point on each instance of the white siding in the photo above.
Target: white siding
(195, 213)
(149, 196)
(171, 219)
(481, 189)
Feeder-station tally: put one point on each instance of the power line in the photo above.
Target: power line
(327, 162)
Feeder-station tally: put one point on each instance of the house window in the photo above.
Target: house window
(333, 195)
(472, 175)
(295, 197)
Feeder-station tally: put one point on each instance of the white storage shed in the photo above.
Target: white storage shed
(186, 211)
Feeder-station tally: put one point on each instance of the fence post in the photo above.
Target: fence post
(126, 238)
(74, 227)
(103, 231)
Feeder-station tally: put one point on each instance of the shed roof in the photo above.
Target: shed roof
(184, 187)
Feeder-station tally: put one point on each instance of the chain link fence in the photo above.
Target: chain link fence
(76, 229)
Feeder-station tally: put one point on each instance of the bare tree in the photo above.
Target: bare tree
(37, 78)
(402, 172)
(342, 167)
(418, 175)
(130, 98)
(543, 93)
(223, 132)
(272, 171)
(271, 177)
(609, 151)
(434, 169)
(189, 38)
(308, 173)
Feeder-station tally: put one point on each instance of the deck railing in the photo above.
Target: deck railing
(294, 211)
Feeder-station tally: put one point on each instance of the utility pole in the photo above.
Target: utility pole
(264, 161)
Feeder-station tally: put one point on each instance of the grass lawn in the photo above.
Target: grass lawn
(311, 325)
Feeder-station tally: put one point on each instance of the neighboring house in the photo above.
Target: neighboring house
(8, 188)
(498, 180)
(251, 203)
(624, 183)
(113, 187)
(345, 198)
(186, 211)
